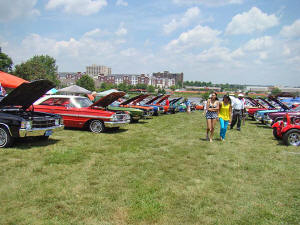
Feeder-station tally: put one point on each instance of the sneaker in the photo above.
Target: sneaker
(239, 129)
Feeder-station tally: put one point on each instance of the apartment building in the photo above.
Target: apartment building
(95, 70)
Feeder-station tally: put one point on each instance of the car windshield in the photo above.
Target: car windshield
(82, 102)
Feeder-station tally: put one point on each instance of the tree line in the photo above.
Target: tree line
(224, 87)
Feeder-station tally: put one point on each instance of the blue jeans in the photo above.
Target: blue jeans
(223, 125)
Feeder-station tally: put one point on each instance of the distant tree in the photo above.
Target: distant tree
(151, 88)
(86, 82)
(107, 86)
(275, 91)
(173, 87)
(38, 67)
(141, 86)
(205, 95)
(5, 62)
(123, 87)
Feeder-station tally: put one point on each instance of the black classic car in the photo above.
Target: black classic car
(16, 120)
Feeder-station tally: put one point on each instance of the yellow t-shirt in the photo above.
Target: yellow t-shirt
(224, 112)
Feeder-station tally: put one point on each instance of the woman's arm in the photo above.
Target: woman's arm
(230, 113)
(207, 105)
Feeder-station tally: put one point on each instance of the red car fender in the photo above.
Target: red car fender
(277, 124)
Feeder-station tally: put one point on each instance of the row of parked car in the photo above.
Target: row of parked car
(27, 111)
(284, 119)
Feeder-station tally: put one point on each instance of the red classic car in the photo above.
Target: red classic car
(288, 130)
(80, 112)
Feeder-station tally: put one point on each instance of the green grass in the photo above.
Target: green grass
(160, 171)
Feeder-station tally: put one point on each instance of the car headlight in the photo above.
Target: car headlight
(26, 125)
(114, 118)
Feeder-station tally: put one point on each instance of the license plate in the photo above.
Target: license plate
(48, 132)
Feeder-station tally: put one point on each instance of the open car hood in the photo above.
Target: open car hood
(162, 99)
(140, 99)
(255, 103)
(282, 105)
(268, 103)
(173, 101)
(132, 99)
(108, 99)
(153, 99)
(26, 94)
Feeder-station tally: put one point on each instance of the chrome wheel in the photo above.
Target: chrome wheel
(96, 126)
(294, 139)
(3, 137)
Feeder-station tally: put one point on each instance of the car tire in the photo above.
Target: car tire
(96, 126)
(275, 133)
(292, 137)
(6, 140)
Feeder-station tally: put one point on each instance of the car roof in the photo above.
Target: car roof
(56, 96)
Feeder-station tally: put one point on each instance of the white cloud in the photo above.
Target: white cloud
(129, 52)
(122, 30)
(121, 3)
(81, 7)
(96, 33)
(200, 36)
(208, 2)
(189, 15)
(292, 31)
(251, 21)
(17, 9)
(259, 44)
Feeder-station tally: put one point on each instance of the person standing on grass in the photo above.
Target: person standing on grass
(238, 112)
(212, 107)
(205, 103)
(188, 105)
(224, 115)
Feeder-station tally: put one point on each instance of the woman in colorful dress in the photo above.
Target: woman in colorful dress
(224, 115)
(212, 107)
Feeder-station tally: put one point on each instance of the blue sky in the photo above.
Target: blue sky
(223, 41)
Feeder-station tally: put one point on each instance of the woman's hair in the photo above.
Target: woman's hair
(227, 97)
(215, 94)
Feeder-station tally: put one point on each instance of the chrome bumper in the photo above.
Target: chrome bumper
(38, 131)
(110, 124)
(137, 117)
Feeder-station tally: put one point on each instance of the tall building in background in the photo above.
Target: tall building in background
(95, 70)
(166, 74)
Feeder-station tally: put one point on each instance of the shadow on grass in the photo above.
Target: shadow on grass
(29, 142)
(264, 126)
(114, 131)
(140, 122)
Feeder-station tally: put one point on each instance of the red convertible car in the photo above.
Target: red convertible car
(80, 112)
(288, 130)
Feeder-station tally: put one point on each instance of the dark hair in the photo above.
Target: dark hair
(227, 97)
(215, 94)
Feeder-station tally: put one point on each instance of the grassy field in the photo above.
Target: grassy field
(160, 171)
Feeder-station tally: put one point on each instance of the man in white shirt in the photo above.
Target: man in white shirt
(238, 106)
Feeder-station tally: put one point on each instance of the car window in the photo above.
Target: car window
(82, 102)
(56, 102)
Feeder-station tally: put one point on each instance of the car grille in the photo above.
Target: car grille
(122, 117)
(43, 123)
